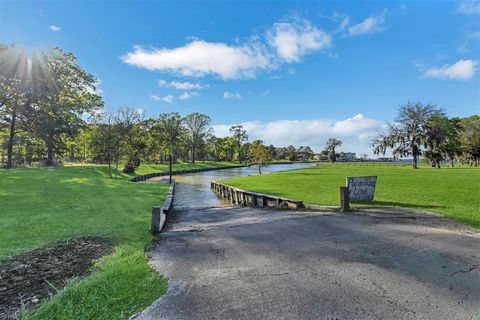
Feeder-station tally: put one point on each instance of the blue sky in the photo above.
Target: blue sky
(291, 72)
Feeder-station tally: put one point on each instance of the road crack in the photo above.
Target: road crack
(473, 267)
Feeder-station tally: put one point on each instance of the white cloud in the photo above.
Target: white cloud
(168, 99)
(355, 132)
(97, 90)
(54, 28)
(200, 58)
(343, 19)
(345, 22)
(155, 97)
(294, 40)
(231, 96)
(285, 42)
(469, 38)
(461, 70)
(372, 24)
(264, 93)
(187, 95)
(469, 7)
(274, 77)
(180, 85)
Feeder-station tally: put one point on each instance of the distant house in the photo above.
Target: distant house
(350, 156)
(346, 156)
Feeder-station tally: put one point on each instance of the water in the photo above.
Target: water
(193, 190)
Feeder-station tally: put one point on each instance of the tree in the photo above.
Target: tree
(105, 142)
(13, 92)
(79, 145)
(62, 92)
(470, 140)
(408, 133)
(331, 145)
(439, 133)
(305, 153)
(198, 125)
(130, 135)
(273, 150)
(259, 154)
(240, 136)
(323, 155)
(228, 148)
(291, 153)
(453, 149)
(170, 131)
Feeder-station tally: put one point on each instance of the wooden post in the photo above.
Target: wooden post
(155, 224)
(259, 201)
(344, 199)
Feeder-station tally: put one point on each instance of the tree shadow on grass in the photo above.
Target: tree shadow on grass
(384, 203)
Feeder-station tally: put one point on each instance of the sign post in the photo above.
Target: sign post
(361, 188)
(344, 199)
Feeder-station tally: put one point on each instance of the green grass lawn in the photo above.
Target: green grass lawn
(43, 205)
(452, 192)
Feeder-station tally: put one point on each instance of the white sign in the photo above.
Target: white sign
(361, 188)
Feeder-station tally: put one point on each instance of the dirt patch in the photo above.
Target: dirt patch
(29, 278)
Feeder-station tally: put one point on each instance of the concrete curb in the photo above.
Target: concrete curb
(315, 207)
(159, 214)
(176, 172)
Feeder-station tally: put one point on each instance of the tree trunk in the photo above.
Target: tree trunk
(50, 156)
(240, 153)
(11, 140)
(451, 161)
(170, 168)
(414, 161)
(110, 168)
(259, 169)
(193, 153)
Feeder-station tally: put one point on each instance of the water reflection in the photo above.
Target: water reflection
(193, 190)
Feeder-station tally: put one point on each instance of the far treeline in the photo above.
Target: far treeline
(50, 110)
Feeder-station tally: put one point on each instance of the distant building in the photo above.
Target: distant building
(346, 156)
(350, 156)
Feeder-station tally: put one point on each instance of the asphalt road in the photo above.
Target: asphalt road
(244, 263)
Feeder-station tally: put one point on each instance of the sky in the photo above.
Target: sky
(290, 72)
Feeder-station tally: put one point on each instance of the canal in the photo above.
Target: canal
(192, 191)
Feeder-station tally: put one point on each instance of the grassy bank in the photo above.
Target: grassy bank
(452, 192)
(150, 168)
(41, 206)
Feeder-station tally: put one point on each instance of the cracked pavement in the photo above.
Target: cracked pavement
(247, 263)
